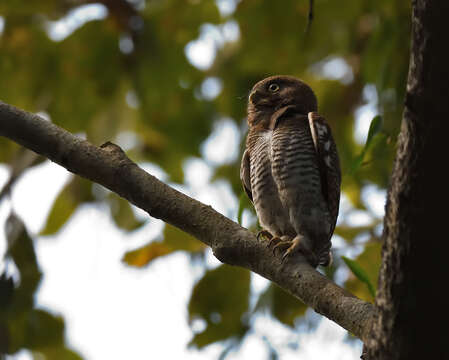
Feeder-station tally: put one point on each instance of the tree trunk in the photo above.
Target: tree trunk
(412, 318)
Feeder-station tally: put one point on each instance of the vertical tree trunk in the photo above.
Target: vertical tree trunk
(413, 321)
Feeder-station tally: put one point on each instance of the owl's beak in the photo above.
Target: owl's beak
(254, 97)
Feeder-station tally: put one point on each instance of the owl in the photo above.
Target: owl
(290, 169)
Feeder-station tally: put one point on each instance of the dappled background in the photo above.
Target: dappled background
(87, 275)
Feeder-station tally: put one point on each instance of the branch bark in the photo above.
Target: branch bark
(232, 244)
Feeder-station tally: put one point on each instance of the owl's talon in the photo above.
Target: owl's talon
(274, 240)
(287, 253)
(296, 246)
(264, 233)
(282, 245)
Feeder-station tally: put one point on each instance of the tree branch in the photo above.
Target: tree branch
(232, 244)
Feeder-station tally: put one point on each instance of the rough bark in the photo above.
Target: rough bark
(413, 320)
(231, 244)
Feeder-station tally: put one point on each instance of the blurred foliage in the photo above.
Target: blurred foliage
(22, 325)
(281, 305)
(221, 299)
(173, 240)
(373, 132)
(74, 193)
(365, 271)
(127, 73)
(360, 274)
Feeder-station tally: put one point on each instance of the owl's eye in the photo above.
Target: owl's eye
(273, 87)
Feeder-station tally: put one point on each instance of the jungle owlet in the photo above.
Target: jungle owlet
(290, 169)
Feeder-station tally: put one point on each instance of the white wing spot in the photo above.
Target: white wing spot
(321, 129)
(327, 160)
(327, 145)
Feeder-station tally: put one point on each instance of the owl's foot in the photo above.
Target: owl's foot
(284, 247)
(296, 245)
(264, 233)
(280, 242)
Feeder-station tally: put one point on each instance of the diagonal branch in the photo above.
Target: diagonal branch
(232, 244)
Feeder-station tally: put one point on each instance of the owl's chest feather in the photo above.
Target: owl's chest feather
(259, 145)
(286, 153)
(294, 158)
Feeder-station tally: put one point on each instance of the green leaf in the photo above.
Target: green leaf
(221, 309)
(44, 329)
(35, 329)
(369, 260)
(57, 353)
(360, 274)
(122, 213)
(180, 240)
(78, 190)
(62, 209)
(6, 291)
(283, 306)
(374, 129)
(21, 251)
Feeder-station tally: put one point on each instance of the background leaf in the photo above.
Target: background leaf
(78, 190)
(360, 274)
(21, 324)
(220, 307)
(144, 255)
(123, 214)
(374, 130)
(281, 305)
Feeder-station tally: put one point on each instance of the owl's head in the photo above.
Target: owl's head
(276, 92)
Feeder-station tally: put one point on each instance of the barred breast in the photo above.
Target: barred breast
(270, 211)
(296, 172)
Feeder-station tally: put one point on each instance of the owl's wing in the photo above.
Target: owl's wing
(328, 163)
(245, 174)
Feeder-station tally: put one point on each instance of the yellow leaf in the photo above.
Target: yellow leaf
(144, 255)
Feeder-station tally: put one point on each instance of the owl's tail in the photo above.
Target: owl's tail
(325, 258)
(325, 255)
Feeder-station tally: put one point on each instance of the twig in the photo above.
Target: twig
(310, 17)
